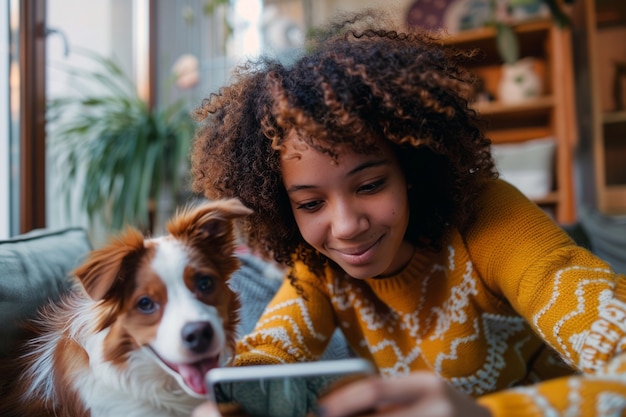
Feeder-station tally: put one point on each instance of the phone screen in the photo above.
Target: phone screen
(282, 392)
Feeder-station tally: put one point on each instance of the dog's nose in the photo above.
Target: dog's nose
(197, 336)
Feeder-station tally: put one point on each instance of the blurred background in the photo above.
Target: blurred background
(96, 96)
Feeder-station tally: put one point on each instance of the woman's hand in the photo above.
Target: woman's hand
(419, 394)
(206, 409)
(210, 409)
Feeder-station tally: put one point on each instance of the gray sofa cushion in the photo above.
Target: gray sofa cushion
(256, 282)
(34, 268)
(607, 237)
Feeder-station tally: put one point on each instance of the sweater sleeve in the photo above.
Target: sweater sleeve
(600, 394)
(571, 298)
(293, 327)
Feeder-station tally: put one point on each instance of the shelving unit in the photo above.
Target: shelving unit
(550, 115)
(606, 37)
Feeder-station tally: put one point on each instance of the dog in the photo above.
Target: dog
(145, 320)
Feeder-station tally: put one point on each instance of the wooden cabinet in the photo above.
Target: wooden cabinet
(552, 114)
(605, 23)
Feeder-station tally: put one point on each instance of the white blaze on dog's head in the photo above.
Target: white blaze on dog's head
(191, 314)
(170, 295)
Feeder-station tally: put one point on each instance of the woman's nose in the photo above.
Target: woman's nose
(347, 221)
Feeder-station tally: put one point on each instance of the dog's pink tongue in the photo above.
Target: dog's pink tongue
(193, 375)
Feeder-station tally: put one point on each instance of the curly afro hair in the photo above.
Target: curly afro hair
(359, 80)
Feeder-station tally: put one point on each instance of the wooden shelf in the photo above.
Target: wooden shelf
(550, 115)
(610, 13)
(605, 25)
(471, 37)
(518, 134)
(614, 117)
(532, 35)
(519, 121)
(532, 106)
(615, 199)
(550, 199)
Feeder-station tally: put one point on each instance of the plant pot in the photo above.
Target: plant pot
(519, 81)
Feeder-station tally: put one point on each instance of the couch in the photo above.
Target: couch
(34, 268)
(604, 235)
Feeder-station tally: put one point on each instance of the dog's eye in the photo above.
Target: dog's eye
(146, 305)
(205, 283)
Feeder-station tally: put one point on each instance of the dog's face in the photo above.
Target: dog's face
(169, 295)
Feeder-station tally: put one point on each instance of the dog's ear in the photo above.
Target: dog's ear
(106, 269)
(211, 221)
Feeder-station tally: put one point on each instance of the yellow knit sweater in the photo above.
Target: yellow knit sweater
(508, 303)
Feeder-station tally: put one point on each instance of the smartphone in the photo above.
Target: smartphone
(288, 390)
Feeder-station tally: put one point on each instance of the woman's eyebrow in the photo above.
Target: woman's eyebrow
(368, 164)
(297, 187)
(365, 165)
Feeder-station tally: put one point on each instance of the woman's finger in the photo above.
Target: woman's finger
(378, 394)
(206, 409)
(418, 394)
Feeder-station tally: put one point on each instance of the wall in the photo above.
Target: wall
(322, 10)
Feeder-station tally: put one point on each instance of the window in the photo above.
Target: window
(22, 108)
(5, 59)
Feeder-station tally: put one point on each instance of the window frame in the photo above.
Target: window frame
(32, 115)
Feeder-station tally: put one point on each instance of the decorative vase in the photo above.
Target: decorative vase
(519, 81)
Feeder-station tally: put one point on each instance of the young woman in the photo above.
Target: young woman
(372, 182)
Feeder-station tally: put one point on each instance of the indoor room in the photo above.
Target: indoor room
(122, 121)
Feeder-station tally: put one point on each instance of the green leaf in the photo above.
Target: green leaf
(559, 16)
(108, 139)
(210, 6)
(507, 43)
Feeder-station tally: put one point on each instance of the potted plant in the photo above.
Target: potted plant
(506, 39)
(122, 153)
(519, 81)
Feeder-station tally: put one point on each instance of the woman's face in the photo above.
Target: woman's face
(355, 210)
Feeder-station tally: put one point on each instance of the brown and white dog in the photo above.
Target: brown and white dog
(147, 318)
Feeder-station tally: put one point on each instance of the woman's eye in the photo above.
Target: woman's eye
(205, 283)
(371, 187)
(146, 305)
(310, 206)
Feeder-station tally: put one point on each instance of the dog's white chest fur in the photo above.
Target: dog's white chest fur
(141, 388)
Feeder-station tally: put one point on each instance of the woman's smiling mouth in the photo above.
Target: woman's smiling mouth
(358, 255)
